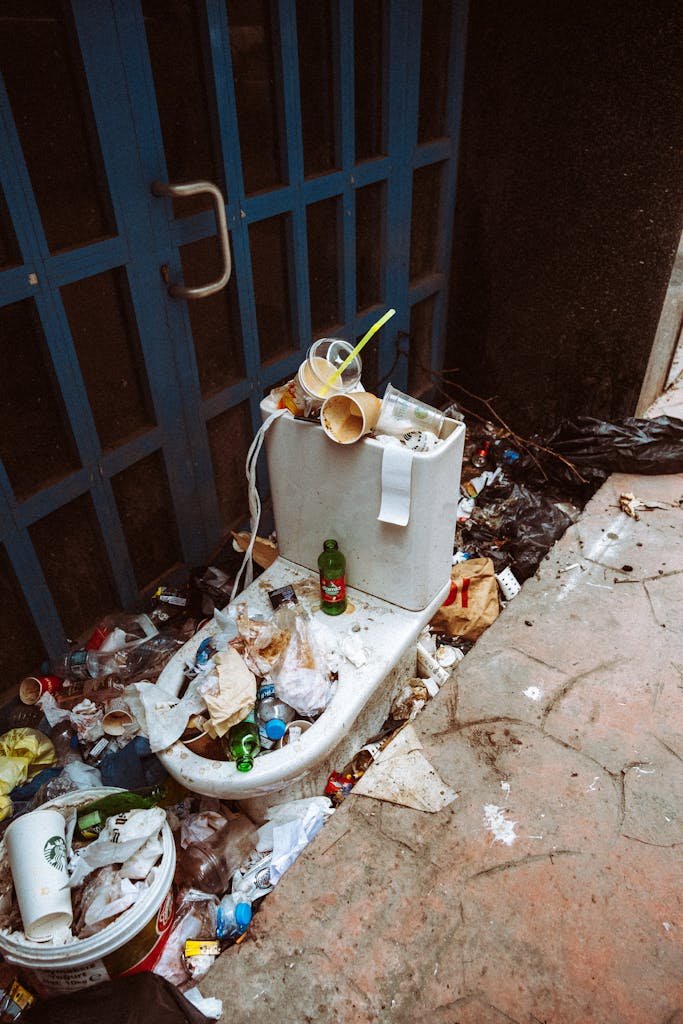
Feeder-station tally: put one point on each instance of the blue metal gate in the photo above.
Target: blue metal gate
(330, 129)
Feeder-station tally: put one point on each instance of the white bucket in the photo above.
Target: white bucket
(133, 942)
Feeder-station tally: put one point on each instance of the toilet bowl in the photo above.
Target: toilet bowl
(360, 704)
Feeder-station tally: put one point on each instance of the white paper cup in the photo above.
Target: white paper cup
(294, 732)
(36, 849)
(117, 718)
(347, 418)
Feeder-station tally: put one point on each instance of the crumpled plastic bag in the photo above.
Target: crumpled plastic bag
(301, 675)
(472, 604)
(163, 717)
(108, 896)
(23, 753)
(195, 828)
(283, 814)
(596, 448)
(121, 839)
(195, 918)
(229, 690)
(143, 998)
(292, 837)
(264, 641)
(515, 527)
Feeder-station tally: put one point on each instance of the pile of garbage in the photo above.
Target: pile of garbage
(84, 796)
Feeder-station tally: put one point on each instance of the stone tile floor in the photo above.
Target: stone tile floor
(551, 889)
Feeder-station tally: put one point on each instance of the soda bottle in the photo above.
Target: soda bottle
(272, 714)
(243, 743)
(481, 455)
(332, 568)
(210, 865)
(233, 916)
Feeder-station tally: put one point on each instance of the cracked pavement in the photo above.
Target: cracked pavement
(550, 889)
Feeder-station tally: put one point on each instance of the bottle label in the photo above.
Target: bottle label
(333, 591)
(78, 668)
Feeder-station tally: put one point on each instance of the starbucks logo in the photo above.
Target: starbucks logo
(55, 852)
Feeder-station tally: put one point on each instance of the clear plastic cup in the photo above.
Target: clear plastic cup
(324, 358)
(401, 413)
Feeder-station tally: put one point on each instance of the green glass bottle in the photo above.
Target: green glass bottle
(243, 743)
(91, 817)
(332, 568)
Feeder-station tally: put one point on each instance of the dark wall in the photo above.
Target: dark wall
(569, 202)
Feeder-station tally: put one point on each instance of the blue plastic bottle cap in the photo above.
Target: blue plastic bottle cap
(242, 916)
(275, 729)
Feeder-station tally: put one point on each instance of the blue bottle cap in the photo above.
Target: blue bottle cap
(242, 916)
(275, 729)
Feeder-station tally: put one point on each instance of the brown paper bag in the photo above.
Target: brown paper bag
(472, 604)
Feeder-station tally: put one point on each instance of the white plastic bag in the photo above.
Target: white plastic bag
(301, 675)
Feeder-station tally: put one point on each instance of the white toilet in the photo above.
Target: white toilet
(397, 577)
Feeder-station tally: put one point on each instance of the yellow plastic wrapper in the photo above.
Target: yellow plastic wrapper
(23, 753)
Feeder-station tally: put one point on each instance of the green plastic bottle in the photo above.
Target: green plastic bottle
(332, 568)
(243, 743)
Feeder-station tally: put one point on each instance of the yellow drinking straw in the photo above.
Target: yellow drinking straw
(363, 341)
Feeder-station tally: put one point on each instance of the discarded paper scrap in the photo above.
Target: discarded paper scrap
(402, 775)
(630, 504)
(235, 694)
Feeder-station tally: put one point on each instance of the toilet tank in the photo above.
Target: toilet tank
(322, 489)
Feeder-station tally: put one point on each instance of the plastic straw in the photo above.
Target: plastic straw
(363, 341)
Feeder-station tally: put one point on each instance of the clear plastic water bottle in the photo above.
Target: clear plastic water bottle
(272, 715)
(233, 916)
(210, 864)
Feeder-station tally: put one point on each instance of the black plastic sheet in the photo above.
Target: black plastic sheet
(515, 526)
(596, 449)
(136, 999)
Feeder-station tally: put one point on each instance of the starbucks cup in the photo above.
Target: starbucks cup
(347, 418)
(401, 413)
(324, 359)
(36, 849)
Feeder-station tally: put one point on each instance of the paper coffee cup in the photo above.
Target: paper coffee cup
(294, 731)
(117, 718)
(32, 688)
(36, 848)
(347, 418)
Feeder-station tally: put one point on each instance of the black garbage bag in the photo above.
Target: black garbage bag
(515, 526)
(597, 449)
(135, 999)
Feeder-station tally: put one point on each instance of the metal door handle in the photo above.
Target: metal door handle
(193, 188)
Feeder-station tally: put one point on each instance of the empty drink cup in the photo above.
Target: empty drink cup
(37, 854)
(322, 361)
(347, 418)
(401, 413)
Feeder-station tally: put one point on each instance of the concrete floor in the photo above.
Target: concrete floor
(394, 914)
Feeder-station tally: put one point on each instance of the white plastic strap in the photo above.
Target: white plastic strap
(247, 566)
(397, 467)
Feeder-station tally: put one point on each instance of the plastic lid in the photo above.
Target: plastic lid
(275, 729)
(335, 352)
(242, 916)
